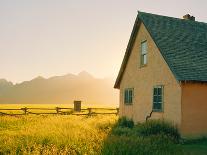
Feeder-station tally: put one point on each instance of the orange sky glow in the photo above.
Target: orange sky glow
(56, 37)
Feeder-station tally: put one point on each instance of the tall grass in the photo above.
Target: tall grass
(54, 134)
(81, 135)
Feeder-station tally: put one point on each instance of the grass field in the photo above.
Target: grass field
(101, 134)
(53, 134)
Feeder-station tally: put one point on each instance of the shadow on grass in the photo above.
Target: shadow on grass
(150, 138)
(195, 146)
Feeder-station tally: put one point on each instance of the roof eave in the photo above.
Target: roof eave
(193, 81)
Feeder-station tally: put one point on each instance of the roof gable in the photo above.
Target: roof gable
(182, 43)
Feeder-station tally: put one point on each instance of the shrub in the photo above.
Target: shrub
(157, 127)
(125, 122)
(122, 131)
(152, 137)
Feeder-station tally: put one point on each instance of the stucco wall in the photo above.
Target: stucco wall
(194, 109)
(156, 72)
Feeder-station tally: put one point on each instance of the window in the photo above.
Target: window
(128, 95)
(143, 53)
(158, 98)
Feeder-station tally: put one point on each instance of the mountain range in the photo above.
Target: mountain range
(60, 90)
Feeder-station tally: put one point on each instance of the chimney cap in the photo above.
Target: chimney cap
(189, 17)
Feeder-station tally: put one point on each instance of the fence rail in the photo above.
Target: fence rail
(59, 111)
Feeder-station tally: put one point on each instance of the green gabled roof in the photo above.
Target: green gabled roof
(182, 43)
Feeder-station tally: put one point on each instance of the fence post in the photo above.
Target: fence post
(25, 110)
(117, 109)
(89, 111)
(57, 110)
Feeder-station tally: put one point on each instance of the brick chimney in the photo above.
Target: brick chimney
(189, 17)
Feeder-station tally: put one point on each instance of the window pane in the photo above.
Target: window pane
(125, 96)
(144, 59)
(159, 107)
(130, 100)
(130, 96)
(159, 98)
(155, 106)
(130, 93)
(155, 98)
(159, 91)
(155, 91)
(144, 47)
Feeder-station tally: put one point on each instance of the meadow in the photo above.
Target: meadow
(91, 135)
(54, 134)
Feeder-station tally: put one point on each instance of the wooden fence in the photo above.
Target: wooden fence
(58, 111)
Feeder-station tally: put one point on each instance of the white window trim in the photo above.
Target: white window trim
(142, 54)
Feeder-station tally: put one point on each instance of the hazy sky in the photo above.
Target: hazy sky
(56, 37)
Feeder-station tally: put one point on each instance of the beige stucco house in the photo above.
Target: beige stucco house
(164, 72)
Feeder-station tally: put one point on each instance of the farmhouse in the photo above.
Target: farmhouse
(164, 72)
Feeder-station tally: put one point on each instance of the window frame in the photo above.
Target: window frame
(126, 101)
(143, 54)
(162, 98)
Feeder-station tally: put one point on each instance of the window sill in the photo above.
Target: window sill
(156, 110)
(141, 66)
(128, 104)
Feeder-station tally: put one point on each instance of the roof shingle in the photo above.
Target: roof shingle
(182, 43)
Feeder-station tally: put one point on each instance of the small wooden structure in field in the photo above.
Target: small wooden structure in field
(77, 106)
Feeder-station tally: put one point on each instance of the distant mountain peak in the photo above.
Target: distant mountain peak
(38, 78)
(85, 74)
(70, 75)
(3, 81)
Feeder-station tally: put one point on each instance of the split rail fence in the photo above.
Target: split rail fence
(58, 111)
